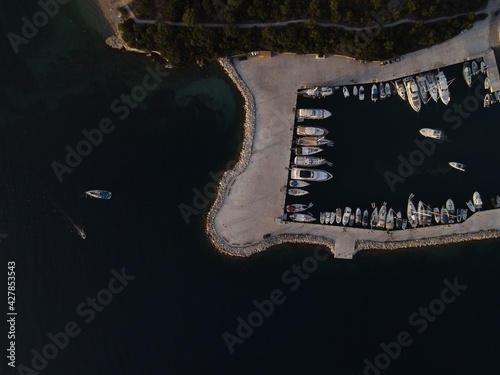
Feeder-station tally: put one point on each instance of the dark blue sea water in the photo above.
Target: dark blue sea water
(180, 297)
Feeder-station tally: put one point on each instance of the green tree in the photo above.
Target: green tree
(190, 17)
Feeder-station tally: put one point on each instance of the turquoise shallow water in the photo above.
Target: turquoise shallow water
(172, 316)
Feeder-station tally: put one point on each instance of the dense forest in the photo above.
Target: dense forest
(180, 45)
(349, 12)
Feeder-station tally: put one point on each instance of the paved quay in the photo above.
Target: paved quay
(245, 216)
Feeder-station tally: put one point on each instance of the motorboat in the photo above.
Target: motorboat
(309, 161)
(313, 113)
(374, 93)
(400, 89)
(471, 206)
(364, 221)
(351, 219)
(382, 216)
(412, 93)
(313, 131)
(475, 68)
(389, 220)
(307, 150)
(431, 133)
(487, 83)
(345, 91)
(361, 93)
(457, 165)
(467, 73)
(487, 101)
(327, 217)
(338, 215)
(98, 194)
(476, 199)
(322, 217)
(437, 215)
(347, 216)
(432, 86)
(302, 218)
(374, 218)
(317, 92)
(422, 88)
(464, 214)
(387, 89)
(458, 216)
(444, 216)
(404, 224)
(483, 67)
(297, 192)
(358, 216)
(442, 86)
(317, 175)
(298, 184)
(332, 218)
(313, 141)
(381, 91)
(450, 207)
(399, 219)
(298, 207)
(354, 91)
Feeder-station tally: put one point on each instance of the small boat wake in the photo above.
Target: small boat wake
(79, 230)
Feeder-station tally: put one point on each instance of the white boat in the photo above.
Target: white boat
(483, 67)
(476, 199)
(487, 83)
(411, 212)
(310, 174)
(374, 218)
(351, 219)
(437, 215)
(381, 91)
(457, 165)
(302, 218)
(317, 92)
(458, 216)
(98, 194)
(309, 161)
(444, 216)
(361, 93)
(332, 218)
(404, 224)
(314, 131)
(307, 150)
(421, 213)
(338, 215)
(450, 207)
(387, 89)
(347, 216)
(442, 86)
(298, 207)
(297, 192)
(475, 68)
(327, 217)
(400, 89)
(389, 220)
(313, 141)
(364, 221)
(322, 217)
(432, 86)
(422, 88)
(298, 184)
(382, 216)
(431, 133)
(412, 93)
(354, 91)
(345, 91)
(358, 216)
(467, 73)
(313, 113)
(471, 206)
(497, 96)
(464, 214)
(486, 101)
(374, 93)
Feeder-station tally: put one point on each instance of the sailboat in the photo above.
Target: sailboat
(432, 86)
(400, 89)
(389, 220)
(382, 216)
(437, 215)
(411, 212)
(399, 219)
(444, 93)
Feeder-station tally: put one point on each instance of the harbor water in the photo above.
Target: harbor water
(180, 298)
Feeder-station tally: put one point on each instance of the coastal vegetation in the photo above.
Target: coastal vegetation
(199, 41)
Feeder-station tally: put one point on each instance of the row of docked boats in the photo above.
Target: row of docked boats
(473, 68)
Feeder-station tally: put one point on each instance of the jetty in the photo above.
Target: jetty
(246, 216)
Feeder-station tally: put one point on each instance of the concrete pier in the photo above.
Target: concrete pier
(245, 216)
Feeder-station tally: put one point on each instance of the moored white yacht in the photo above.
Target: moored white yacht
(457, 165)
(302, 218)
(476, 199)
(298, 207)
(307, 150)
(354, 91)
(310, 174)
(313, 113)
(442, 86)
(338, 215)
(412, 93)
(347, 216)
(297, 192)
(311, 131)
(308, 161)
(471, 205)
(431, 133)
(345, 91)
(317, 92)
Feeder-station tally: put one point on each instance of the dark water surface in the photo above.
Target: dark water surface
(172, 316)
